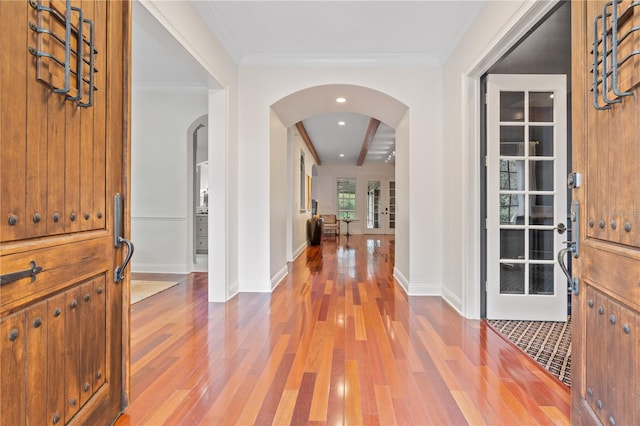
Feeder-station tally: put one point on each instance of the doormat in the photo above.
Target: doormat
(141, 289)
(547, 342)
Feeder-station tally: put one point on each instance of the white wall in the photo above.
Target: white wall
(402, 259)
(417, 87)
(159, 226)
(183, 22)
(278, 200)
(327, 191)
(437, 167)
(497, 28)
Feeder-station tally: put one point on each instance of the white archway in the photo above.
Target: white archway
(295, 107)
(197, 129)
(322, 99)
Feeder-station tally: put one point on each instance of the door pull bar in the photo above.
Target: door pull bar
(118, 273)
(573, 247)
(118, 239)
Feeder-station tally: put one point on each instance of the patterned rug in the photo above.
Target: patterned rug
(547, 342)
(141, 289)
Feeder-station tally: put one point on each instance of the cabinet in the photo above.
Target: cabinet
(202, 224)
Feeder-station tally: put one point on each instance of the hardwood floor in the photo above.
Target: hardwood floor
(336, 343)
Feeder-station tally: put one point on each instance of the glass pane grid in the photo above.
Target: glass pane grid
(530, 271)
(346, 202)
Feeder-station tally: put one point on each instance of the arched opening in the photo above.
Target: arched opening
(198, 193)
(288, 226)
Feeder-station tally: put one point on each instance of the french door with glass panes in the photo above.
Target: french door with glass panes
(380, 206)
(526, 196)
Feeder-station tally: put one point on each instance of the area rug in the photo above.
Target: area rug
(141, 289)
(547, 342)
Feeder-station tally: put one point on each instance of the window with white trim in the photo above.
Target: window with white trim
(346, 198)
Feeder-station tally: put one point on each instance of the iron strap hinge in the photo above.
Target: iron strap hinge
(15, 276)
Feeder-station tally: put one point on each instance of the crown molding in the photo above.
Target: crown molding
(340, 60)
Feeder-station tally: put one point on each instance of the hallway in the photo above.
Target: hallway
(338, 342)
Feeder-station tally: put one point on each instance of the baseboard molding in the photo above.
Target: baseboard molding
(254, 286)
(299, 250)
(200, 267)
(233, 290)
(452, 299)
(160, 268)
(425, 289)
(402, 280)
(413, 289)
(279, 276)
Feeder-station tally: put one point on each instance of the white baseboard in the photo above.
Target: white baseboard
(425, 289)
(279, 276)
(160, 268)
(299, 250)
(402, 280)
(202, 265)
(452, 299)
(413, 289)
(254, 286)
(234, 289)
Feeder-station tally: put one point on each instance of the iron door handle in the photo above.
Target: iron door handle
(118, 274)
(118, 239)
(572, 282)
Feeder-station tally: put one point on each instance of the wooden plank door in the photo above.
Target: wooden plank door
(64, 117)
(606, 141)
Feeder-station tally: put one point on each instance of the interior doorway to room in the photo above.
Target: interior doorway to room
(380, 206)
(199, 210)
(522, 241)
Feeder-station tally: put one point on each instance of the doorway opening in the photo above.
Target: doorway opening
(545, 49)
(198, 157)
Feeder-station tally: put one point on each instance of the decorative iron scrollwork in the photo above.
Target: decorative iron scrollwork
(606, 53)
(75, 44)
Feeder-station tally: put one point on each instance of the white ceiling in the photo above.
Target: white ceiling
(332, 139)
(400, 31)
(430, 28)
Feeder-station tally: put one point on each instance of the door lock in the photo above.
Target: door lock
(574, 180)
(561, 228)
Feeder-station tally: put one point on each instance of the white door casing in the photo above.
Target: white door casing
(526, 196)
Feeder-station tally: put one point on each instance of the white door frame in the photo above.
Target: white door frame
(384, 206)
(517, 27)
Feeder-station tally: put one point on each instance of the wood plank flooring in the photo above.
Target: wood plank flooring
(336, 343)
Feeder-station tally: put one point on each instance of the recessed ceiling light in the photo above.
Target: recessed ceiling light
(341, 123)
(341, 100)
(341, 155)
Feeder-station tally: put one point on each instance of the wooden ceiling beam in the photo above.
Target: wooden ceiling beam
(307, 140)
(368, 138)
